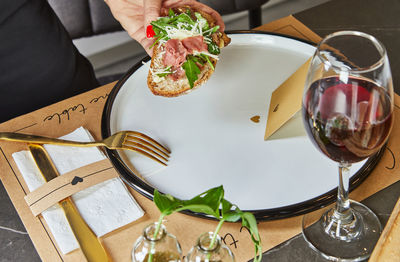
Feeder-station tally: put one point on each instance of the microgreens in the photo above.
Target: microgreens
(211, 203)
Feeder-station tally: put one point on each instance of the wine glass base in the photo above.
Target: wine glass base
(356, 246)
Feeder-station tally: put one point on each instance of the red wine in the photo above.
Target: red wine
(349, 121)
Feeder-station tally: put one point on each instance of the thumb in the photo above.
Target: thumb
(151, 10)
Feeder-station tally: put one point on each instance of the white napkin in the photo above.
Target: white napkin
(105, 206)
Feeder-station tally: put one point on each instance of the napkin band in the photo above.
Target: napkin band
(68, 184)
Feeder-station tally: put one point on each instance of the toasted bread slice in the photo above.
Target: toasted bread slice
(170, 87)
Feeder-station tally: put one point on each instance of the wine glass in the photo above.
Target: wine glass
(348, 114)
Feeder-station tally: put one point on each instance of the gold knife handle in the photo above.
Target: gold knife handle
(17, 137)
(89, 243)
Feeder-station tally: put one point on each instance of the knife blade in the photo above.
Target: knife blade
(88, 241)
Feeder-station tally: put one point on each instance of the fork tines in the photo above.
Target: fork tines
(147, 146)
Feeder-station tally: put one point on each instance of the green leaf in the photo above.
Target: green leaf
(158, 39)
(232, 216)
(213, 48)
(202, 21)
(213, 197)
(168, 72)
(164, 20)
(199, 59)
(198, 208)
(171, 13)
(229, 214)
(207, 59)
(191, 70)
(167, 204)
(250, 222)
(207, 202)
(211, 31)
(184, 18)
(159, 24)
(189, 12)
(226, 206)
(164, 74)
(212, 202)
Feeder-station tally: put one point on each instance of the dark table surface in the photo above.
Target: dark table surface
(379, 18)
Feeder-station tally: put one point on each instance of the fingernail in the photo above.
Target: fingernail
(150, 32)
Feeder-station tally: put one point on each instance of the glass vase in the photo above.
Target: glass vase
(157, 248)
(205, 252)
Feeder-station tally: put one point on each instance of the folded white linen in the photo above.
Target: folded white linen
(105, 206)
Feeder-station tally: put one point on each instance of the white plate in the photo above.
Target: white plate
(214, 142)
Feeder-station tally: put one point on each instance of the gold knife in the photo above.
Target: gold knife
(88, 241)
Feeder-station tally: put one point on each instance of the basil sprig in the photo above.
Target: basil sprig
(211, 203)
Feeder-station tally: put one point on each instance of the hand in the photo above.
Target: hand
(136, 15)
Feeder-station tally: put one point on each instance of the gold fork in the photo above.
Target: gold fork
(126, 140)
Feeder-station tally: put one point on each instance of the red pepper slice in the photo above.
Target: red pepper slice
(150, 32)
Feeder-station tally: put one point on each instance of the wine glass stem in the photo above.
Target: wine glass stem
(343, 203)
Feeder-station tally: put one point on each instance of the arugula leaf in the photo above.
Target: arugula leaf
(158, 39)
(200, 59)
(184, 18)
(160, 25)
(202, 21)
(191, 70)
(214, 29)
(165, 20)
(189, 12)
(206, 58)
(167, 70)
(213, 48)
(211, 31)
(171, 13)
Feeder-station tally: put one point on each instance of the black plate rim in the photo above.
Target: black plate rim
(261, 215)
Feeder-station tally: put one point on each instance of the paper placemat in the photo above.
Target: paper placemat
(86, 110)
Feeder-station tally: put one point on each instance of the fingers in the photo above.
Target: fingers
(146, 43)
(152, 10)
(139, 36)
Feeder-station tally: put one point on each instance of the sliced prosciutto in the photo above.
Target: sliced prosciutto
(194, 43)
(175, 53)
(176, 50)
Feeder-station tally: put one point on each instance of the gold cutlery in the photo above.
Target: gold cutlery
(127, 140)
(88, 241)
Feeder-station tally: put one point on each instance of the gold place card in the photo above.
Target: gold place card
(284, 116)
